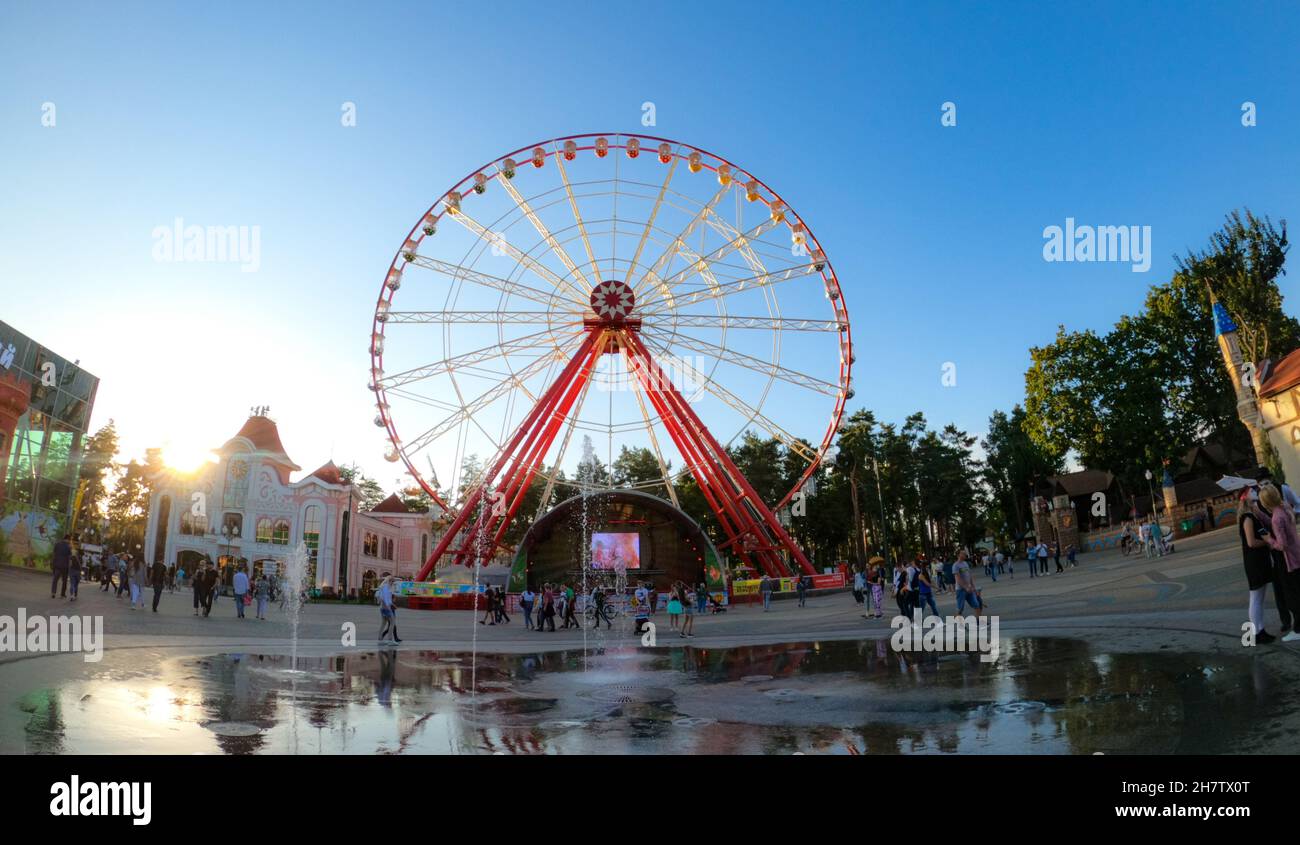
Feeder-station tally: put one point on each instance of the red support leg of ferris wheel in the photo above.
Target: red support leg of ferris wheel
(706, 475)
(745, 494)
(698, 465)
(476, 497)
(515, 483)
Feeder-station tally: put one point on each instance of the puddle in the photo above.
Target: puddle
(1043, 695)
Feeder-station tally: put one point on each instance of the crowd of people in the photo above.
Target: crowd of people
(913, 585)
(1147, 536)
(128, 575)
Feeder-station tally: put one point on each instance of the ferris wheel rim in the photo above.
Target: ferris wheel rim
(829, 277)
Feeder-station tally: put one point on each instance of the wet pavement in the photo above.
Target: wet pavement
(1043, 695)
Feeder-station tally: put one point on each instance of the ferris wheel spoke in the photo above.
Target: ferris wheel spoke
(556, 247)
(661, 262)
(485, 279)
(724, 289)
(518, 255)
(739, 405)
(493, 317)
(716, 222)
(650, 430)
(543, 339)
(467, 412)
(577, 215)
(728, 321)
(564, 447)
(700, 265)
(650, 222)
(750, 362)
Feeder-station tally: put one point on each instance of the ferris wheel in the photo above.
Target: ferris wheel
(608, 294)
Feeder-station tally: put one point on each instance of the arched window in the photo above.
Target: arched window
(280, 534)
(311, 537)
(371, 545)
(388, 549)
(264, 529)
(194, 526)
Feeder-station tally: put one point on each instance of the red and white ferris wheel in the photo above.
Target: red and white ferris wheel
(623, 290)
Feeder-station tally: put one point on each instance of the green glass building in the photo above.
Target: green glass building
(45, 406)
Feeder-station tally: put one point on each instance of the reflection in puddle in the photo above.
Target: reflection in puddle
(1043, 696)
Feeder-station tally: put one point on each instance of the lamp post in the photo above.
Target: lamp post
(1151, 491)
(229, 533)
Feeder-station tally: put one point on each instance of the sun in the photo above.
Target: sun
(186, 459)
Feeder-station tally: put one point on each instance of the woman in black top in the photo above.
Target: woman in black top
(1256, 555)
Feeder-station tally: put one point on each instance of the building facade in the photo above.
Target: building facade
(244, 510)
(45, 407)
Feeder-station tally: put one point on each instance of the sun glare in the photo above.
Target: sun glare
(186, 459)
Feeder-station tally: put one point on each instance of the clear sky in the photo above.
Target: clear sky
(1112, 114)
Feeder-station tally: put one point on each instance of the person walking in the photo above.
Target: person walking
(571, 607)
(387, 611)
(196, 584)
(106, 572)
(240, 585)
(489, 608)
(502, 616)
(262, 592)
(802, 589)
(925, 592)
(765, 591)
(859, 589)
(599, 610)
(1070, 556)
(526, 600)
(966, 592)
(157, 580)
(902, 590)
(1056, 554)
(74, 574)
(1042, 558)
(548, 609)
(124, 575)
(60, 565)
(876, 581)
(139, 575)
(1257, 558)
(209, 588)
(701, 597)
(992, 561)
(688, 622)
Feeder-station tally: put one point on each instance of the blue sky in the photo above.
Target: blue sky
(1113, 114)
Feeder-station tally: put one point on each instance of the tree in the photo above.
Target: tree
(639, 468)
(1241, 267)
(371, 493)
(1012, 461)
(96, 462)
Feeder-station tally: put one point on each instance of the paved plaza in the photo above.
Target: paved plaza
(1194, 597)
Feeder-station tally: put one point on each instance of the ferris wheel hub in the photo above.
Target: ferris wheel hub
(612, 301)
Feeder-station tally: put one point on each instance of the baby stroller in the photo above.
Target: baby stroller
(716, 606)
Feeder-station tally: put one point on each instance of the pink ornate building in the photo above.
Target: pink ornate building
(245, 509)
